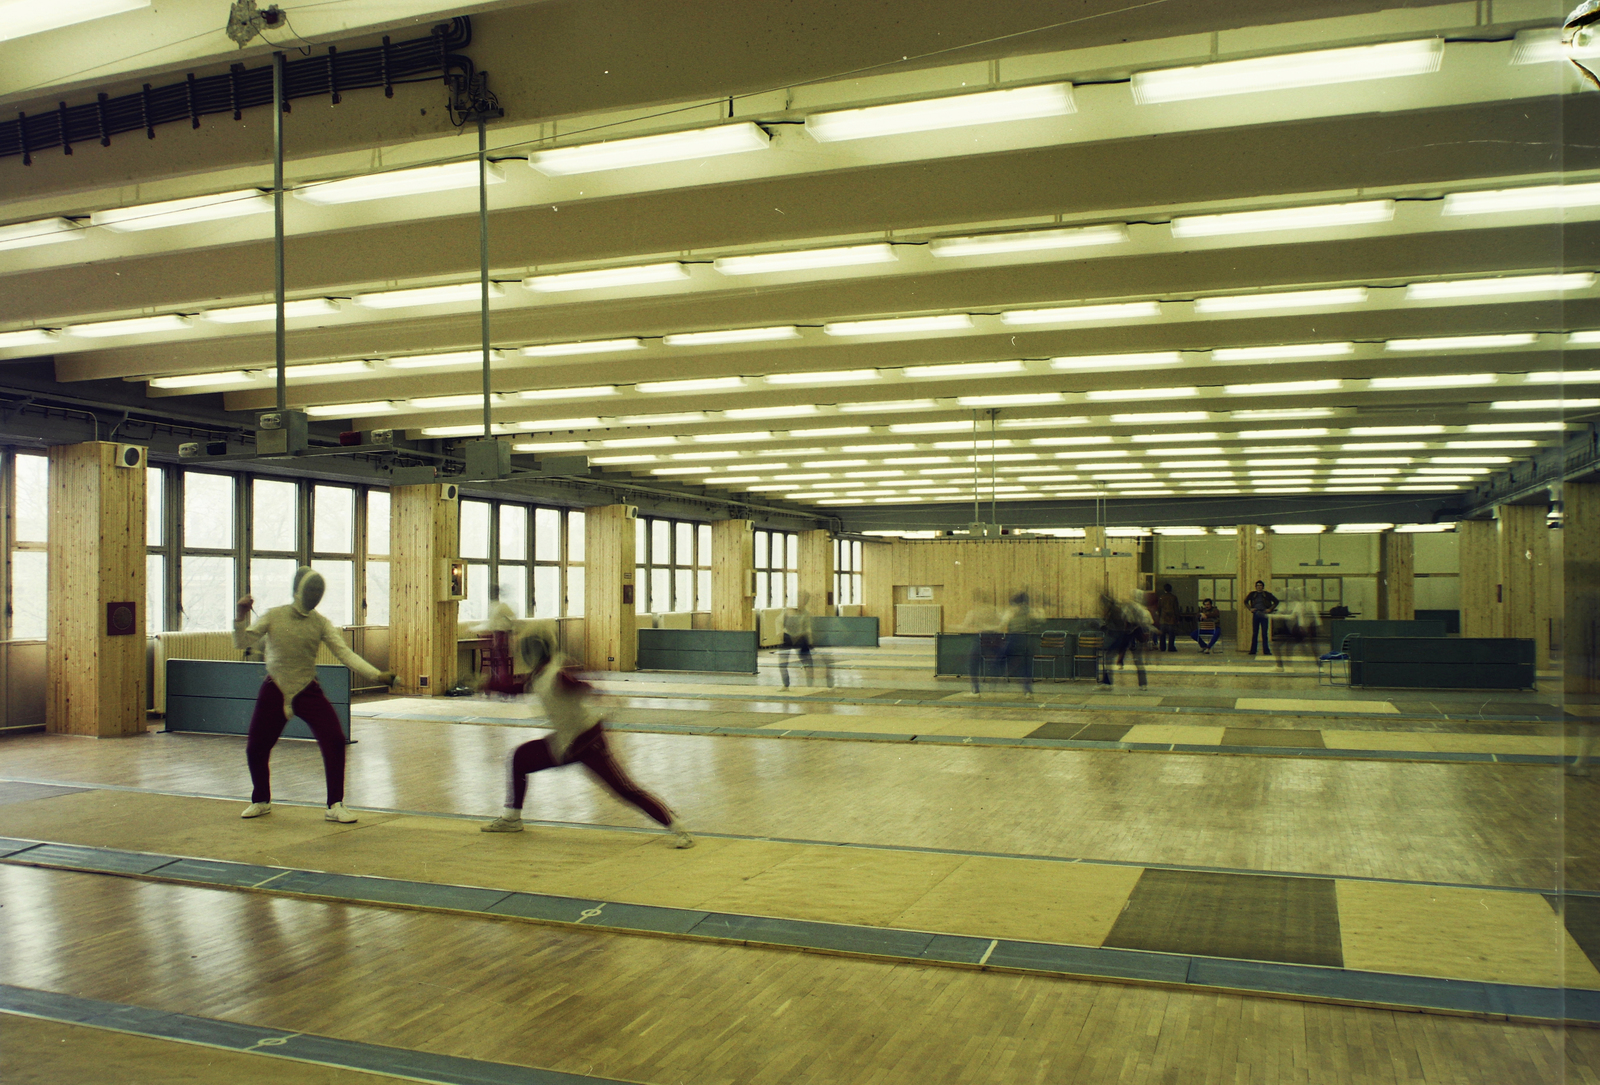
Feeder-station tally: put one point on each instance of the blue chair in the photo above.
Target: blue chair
(1340, 654)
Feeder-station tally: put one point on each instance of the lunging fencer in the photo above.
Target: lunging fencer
(293, 633)
(578, 738)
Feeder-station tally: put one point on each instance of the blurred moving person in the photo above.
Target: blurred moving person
(1020, 621)
(1300, 629)
(1126, 624)
(501, 667)
(984, 620)
(1167, 614)
(1207, 623)
(797, 637)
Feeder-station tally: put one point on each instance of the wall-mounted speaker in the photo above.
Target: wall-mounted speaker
(630, 512)
(132, 456)
(449, 492)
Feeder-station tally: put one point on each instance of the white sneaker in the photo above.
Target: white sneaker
(338, 813)
(502, 825)
(683, 839)
(257, 809)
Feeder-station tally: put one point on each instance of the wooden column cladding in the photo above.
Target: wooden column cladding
(733, 563)
(1254, 563)
(424, 532)
(1397, 571)
(1580, 597)
(1524, 538)
(1478, 568)
(97, 557)
(816, 571)
(611, 633)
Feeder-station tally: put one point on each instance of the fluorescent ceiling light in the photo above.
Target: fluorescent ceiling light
(1453, 470)
(735, 335)
(549, 425)
(1028, 241)
(1284, 218)
(794, 411)
(832, 431)
(1292, 299)
(44, 231)
(1283, 462)
(1568, 376)
(1440, 380)
(888, 405)
(1192, 463)
(681, 418)
(1323, 67)
(464, 399)
(431, 361)
(1516, 427)
(1393, 431)
(1027, 399)
(139, 325)
(1283, 387)
(1129, 310)
(426, 295)
(1292, 350)
(729, 438)
(1273, 434)
(28, 337)
(1035, 423)
(805, 260)
(604, 461)
(681, 470)
(292, 310)
(326, 369)
(1507, 284)
(1532, 198)
(838, 376)
(1463, 342)
(201, 380)
(899, 325)
(601, 278)
(569, 393)
(1151, 360)
(620, 154)
(350, 410)
(1271, 413)
(593, 346)
(1388, 460)
(1491, 444)
(964, 369)
(1173, 437)
(1382, 446)
(725, 455)
(407, 182)
(1424, 529)
(1543, 45)
(1162, 416)
(956, 111)
(1053, 441)
(637, 442)
(696, 384)
(1110, 394)
(1544, 404)
(157, 216)
(929, 427)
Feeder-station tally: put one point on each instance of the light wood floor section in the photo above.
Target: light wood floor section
(659, 1011)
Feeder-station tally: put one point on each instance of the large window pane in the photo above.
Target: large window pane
(703, 555)
(334, 517)
(271, 582)
(154, 495)
(761, 550)
(474, 529)
(791, 593)
(378, 522)
(660, 542)
(208, 522)
(207, 591)
(32, 523)
(547, 534)
(704, 596)
(29, 580)
(761, 592)
(684, 554)
(513, 533)
(575, 530)
(155, 593)
(575, 591)
(547, 591)
(660, 590)
(377, 593)
(641, 589)
(791, 557)
(641, 540)
(683, 589)
(339, 601)
(475, 607)
(273, 511)
(514, 588)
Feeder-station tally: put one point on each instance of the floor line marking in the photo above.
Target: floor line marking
(985, 958)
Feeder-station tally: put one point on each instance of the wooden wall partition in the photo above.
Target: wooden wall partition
(1397, 583)
(96, 681)
(1478, 565)
(424, 531)
(733, 561)
(1254, 562)
(1524, 538)
(1058, 575)
(1580, 595)
(611, 637)
(816, 571)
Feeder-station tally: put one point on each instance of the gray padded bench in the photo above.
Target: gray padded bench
(1442, 662)
(217, 696)
(729, 650)
(844, 632)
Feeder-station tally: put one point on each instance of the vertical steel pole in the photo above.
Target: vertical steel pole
(280, 344)
(483, 262)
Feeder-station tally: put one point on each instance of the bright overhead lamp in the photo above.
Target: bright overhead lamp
(1116, 465)
(1463, 342)
(1544, 46)
(1161, 416)
(139, 325)
(1437, 380)
(1149, 360)
(606, 461)
(1532, 198)
(202, 380)
(1501, 286)
(602, 278)
(550, 425)
(435, 361)
(157, 216)
(464, 399)
(888, 405)
(795, 410)
(476, 430)
(900, 325)
(731, 438)
(1424, 529)
(28, 337)
(1182, 464)
(681, 470)
(1298, 529)
(1491, 444)
(838, 376)
(937, 114)
(1283, 387)
(1182, 531)
(832, 431)
(407, 182)
(1517, 427)
(1153, 438)
(653, 150)
(327, 369)
(724, 455)
(1028, 241)
(426, 295)
(964, 369)
(1036, 423)
(1569, 376)
(695, 384)
(1098, 439)
(593, 346)
(1340, 297)
(1453, 470)
(1024, 399)
(292, 310)
(1382, 446)
(1072, 314)
(568, 393)
(1277, 434)
(806, 259)
(637, 442)
(1371, 460)
(25, 235)
(1281, 413)
(1283, 462)
(1284, 218)
(1543, 405)
(681, 418)
(835, 463)
(929, 427)
(1116, 394)
(734, 335)
(351, 410)
(1121, 478)
(1320, 68)
(1291, 350)
(1393, 431)
(902, 447)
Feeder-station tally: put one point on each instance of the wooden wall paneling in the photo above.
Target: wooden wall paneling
(733, 558)
(1254, 563)
(816, 571)
(96, 550)
(1524, 552)
(1579, 589)
(1397, 576)
(611, 637)
(424, 530)
(1479, 563)
(877, 585)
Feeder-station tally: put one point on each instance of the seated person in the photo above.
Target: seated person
(1207, 624)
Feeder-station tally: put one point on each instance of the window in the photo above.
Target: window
(207, 581)
(376, 565)
(546, 563)
(157, 557)
(702, 561)
(474, 545)
(574, 593)
(333, 529)
(666, 565)
(846, 571)
(30, 532)
(275, 545)
(511, 557)
(777, 565)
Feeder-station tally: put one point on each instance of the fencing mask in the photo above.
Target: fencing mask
(308, 589)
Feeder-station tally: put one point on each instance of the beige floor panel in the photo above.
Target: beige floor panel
(1378, 740)
(671, 878)
(839, 885)
(1469, 934)
(888, 725)
(1174, 732)
(1457, 743)
(955, 728)
(1074, 903)
(1295, 704)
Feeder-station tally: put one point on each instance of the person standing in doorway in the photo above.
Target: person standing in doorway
(1261, 603)
(1167, 614)
(1207, 626)
(292, 634)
